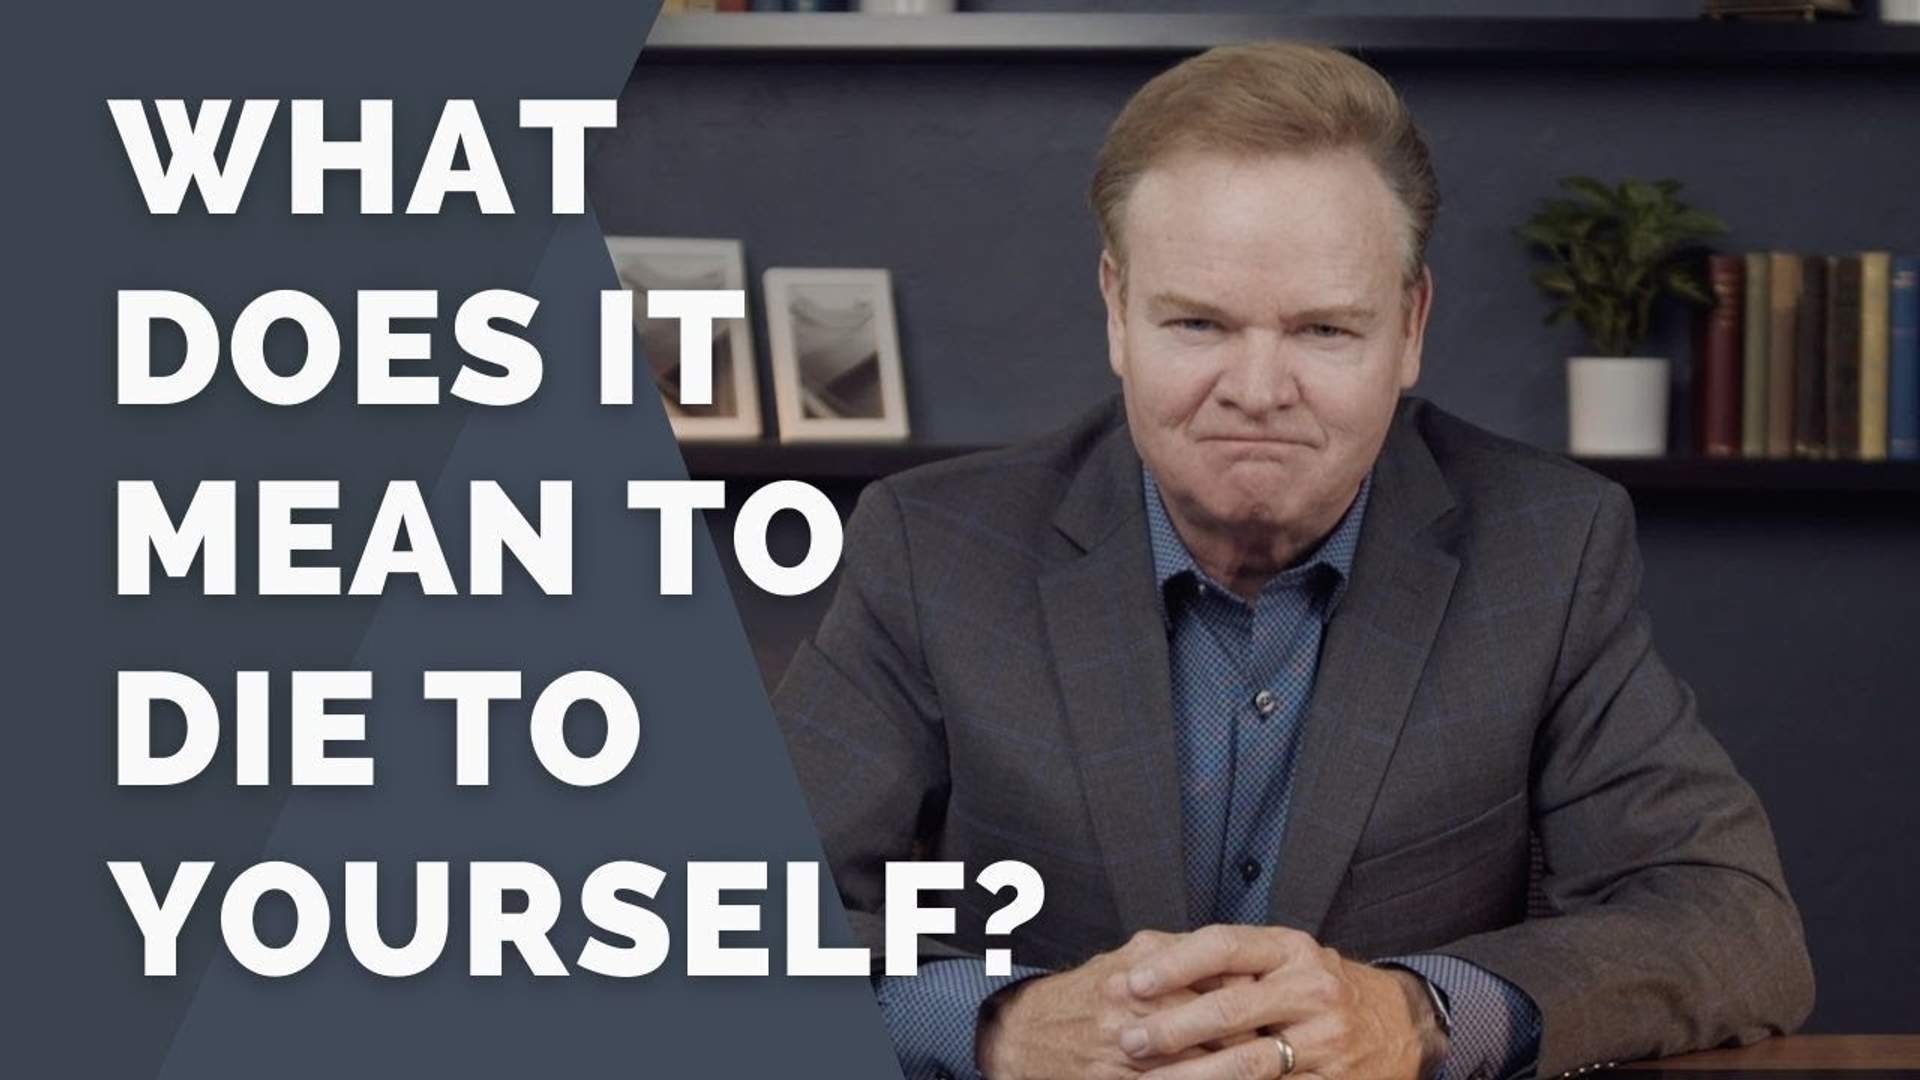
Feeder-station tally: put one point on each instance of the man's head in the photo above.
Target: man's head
(1266, 211)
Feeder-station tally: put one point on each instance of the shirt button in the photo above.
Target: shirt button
(1265, 702)
(1249, 871)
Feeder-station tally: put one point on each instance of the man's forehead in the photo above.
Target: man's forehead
(1241, 277)
(1321, 215)
(1258, 178)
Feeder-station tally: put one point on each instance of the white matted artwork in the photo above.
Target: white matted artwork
(836, 355)
(644, 263)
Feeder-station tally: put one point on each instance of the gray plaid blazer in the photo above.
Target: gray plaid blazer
(1490, 720)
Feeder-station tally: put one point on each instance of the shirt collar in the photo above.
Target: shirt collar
(1172, 560)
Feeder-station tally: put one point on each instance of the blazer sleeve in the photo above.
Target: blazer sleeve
(1674, 929)
(862, 721)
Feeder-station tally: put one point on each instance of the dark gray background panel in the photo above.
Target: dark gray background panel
(711, 780)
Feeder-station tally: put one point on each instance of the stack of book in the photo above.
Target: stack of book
(1810, 356)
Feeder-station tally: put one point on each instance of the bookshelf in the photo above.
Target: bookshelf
(1436, 38)
(766, 461)
(1853, 51)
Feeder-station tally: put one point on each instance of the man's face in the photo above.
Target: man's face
(1264, 334)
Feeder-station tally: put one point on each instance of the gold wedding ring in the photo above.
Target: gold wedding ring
(1286, 1054)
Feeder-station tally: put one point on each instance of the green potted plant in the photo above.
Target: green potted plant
(1611, 252)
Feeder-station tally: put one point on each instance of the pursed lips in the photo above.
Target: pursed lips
(1255, 440)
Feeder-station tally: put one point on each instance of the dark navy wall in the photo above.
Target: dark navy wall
(1795, 621)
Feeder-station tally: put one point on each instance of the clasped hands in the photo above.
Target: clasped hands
(1207, 1005)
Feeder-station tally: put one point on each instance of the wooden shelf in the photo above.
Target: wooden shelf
(1760, 477)
(1470, 40)
(858, 463)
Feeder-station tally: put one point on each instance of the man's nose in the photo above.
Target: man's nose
(1260, 375)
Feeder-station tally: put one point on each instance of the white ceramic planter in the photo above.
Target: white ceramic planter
(1617, 406)
(906, 7)
(1900, 11)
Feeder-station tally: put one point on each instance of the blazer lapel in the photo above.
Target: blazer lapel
(1375, 648)
(1110, 650)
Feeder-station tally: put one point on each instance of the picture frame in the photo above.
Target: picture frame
(643, 263)
(835, 348)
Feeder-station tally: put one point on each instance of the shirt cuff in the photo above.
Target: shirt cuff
(931, 1017)
(1496, 1026)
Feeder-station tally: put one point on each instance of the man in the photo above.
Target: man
(1293, 689)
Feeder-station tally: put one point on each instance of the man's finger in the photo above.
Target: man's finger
(1216, 950)
(1213, 1015)
(1216, 1015)
(1218, 981)
(1259, 1059)
(1114, 989)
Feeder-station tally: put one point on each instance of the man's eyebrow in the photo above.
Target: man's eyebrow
(1183, 302)
(1165, 300)
(1162, 301)
(1337, 313)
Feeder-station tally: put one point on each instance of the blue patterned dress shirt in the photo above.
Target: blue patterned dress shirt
(1241, 675)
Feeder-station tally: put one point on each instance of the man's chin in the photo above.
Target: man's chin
(1259, 475)
(1249, 512)
(1241, 491)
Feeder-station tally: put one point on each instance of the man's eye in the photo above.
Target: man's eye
(1197, 325)
(1327, 330)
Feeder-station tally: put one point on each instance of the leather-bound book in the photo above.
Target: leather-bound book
(1875, 271)
(1843, 356)
(1753, 361)
(1783, 283)
(1810, 361)
(1903, 359)
(1717, 361)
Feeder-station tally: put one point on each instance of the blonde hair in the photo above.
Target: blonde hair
(1268, 97)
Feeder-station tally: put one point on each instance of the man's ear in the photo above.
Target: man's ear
(1419, 306)
(1113, 291)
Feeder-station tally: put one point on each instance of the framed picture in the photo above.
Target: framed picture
(647, 263)
(836, 355)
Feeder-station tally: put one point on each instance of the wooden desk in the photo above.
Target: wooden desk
(1802, 1053)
